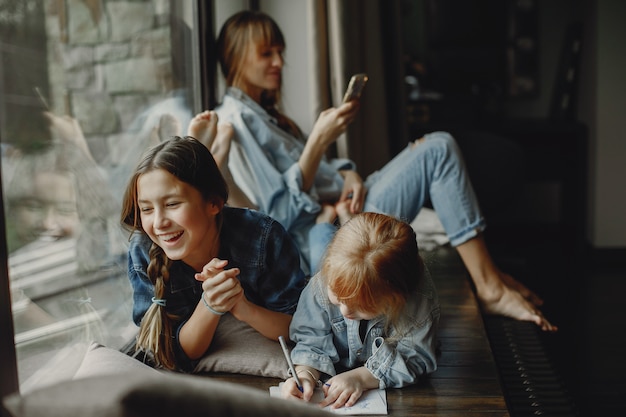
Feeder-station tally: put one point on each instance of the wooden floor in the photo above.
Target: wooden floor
(584, 296)
(466, 382)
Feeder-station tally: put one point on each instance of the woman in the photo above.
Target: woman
(287, 176)
(191, 259)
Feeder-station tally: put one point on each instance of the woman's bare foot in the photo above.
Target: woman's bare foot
(327, 214)
(521, 288)
(220, 149)
(509, 302)
(203, 127)
(497, 292)
(343, 211)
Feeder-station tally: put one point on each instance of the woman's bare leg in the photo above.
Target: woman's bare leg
(217, 138)
(498, 292)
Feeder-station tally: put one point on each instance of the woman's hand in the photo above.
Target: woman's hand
(353, 190)
(329, 125)
(332, 122)
(222, 289)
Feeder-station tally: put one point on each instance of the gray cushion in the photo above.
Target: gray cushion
(238, 348)
(166, 394)
(101, 360)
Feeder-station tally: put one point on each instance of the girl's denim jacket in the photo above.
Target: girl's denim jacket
(251, 241)
(330, 343)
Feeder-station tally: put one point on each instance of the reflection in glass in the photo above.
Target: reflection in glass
(87, 87)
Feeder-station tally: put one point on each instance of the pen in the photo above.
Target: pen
(290, 362)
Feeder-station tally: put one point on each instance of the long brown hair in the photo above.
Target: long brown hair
(191, 162)
(242, 31)
(373, 265)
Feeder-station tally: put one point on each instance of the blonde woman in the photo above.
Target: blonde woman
(288, 177)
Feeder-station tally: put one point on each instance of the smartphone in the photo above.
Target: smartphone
(355, 87)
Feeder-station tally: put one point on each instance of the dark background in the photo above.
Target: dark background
(472, 64)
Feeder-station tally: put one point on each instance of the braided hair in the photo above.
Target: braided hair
(191, 162)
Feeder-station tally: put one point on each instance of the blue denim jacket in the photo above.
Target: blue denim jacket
(330, 343)
(251, 241)
(264, 163)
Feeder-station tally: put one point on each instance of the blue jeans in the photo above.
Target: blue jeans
(432, 170)
(320, 236)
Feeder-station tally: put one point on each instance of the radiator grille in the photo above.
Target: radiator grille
(531, 385)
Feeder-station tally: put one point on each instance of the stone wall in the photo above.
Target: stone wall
(107, 61)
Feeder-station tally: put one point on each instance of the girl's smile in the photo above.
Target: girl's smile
(170, 238)
(176, 217)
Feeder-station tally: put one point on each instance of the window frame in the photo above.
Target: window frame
(204, 59)
(8, 376)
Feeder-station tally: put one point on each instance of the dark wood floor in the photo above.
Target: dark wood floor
(466, 382)
(585, 295)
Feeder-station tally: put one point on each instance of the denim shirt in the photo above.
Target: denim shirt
(330, 343)
(264, 162)
(251, 241)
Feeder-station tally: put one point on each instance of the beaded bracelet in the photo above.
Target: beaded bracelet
(217, 313)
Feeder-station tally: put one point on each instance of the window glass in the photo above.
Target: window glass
(86, 87)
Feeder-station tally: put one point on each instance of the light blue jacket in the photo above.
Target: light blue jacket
(264, 163)
(330, 343)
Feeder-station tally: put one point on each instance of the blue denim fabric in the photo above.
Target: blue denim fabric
(259, 246)
(320, 236)
(433, 169)
(264, 163)
(330, 343)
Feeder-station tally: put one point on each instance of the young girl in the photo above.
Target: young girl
(369, 318)
(288, 177)
(191, 259)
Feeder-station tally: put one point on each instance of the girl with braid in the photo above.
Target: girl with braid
(193, 259)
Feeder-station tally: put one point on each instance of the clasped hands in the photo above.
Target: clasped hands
(222, 290)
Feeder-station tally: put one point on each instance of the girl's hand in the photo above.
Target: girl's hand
(290, 389)
(346, 388)
(333, 121)
(222, 289)
(353, 190)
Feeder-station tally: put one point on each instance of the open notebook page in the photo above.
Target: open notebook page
(372, 402)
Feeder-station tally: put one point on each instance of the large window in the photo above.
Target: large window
(85, 87)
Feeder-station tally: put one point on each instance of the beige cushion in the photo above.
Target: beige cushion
(238, 348)
(101, 360)
(166, 394)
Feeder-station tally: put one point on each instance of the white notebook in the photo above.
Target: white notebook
(372, 402)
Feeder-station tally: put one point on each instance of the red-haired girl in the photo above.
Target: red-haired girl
(368, 319)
